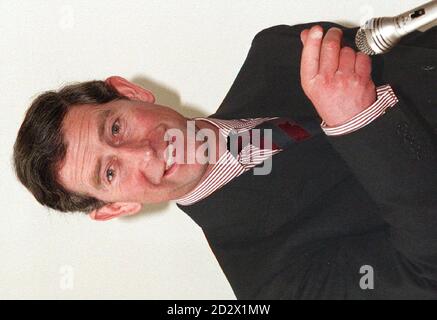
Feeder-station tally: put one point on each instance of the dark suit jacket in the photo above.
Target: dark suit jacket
(332, 205)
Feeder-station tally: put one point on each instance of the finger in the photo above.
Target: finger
(330, 52)
(309, 66)
(363, 65)
(303, 36)
(347, 60)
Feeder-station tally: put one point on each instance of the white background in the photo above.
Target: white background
(188, 53)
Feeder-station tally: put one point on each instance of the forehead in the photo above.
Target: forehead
(80, 134)
(85, 118)
(82, 114)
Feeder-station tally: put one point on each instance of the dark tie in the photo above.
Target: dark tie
(285, 133)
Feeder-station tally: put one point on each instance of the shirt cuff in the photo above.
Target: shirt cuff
(385, 99)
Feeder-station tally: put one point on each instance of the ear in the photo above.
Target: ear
(130, 90)
(115, 210)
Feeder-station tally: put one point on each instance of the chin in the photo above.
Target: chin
(190, 174)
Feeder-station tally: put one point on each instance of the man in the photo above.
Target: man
(348, 211)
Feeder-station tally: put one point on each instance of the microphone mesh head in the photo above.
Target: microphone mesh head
(362, 43)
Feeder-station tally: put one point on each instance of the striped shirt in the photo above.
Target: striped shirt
(385, 99)
(228, 167)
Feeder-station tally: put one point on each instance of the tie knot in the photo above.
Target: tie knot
(278, 133)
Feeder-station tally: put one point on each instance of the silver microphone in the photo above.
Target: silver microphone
(379, 35)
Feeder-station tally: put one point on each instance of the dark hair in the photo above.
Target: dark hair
(40, 149)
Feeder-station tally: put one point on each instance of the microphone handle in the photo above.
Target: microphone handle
(416, 18)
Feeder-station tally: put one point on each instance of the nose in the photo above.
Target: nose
(142, 158)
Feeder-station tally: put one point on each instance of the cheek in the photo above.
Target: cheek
(132, 188)
(134, 182)
(141, 120)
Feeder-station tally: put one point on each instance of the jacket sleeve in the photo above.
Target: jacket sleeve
(395, 160)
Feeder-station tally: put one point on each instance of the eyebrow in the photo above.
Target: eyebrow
(96, 180)
(101, 122)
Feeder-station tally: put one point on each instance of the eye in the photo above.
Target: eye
(116, 128)
(110, 174)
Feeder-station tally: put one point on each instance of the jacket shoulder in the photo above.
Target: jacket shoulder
(294, 30)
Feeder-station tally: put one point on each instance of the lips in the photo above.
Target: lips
(169, 155)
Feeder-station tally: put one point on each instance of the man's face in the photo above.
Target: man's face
(116, 153)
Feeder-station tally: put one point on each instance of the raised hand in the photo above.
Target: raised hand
(337, 80)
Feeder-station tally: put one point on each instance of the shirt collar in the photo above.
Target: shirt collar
(227, 167)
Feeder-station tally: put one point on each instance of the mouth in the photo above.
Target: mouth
(170, 157)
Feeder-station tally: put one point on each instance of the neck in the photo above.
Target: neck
(220, 145)
(219, 139)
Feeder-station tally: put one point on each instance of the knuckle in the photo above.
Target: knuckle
(353, 79)
(363, 59)
(340, 84)
(371, 86)
(347, 50)
(363, 56)
(332, 45)
(345, 81)
(362, 63)
(339, 74)
(323, 79)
